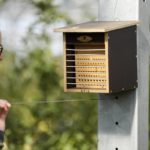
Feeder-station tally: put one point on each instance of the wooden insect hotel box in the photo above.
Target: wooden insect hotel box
(100, 57)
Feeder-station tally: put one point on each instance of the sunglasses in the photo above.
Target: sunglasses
(1, 49)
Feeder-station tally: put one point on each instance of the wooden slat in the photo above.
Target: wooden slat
(89, 86)
(91, 75)
(85, 83)
(65, 76)
(84, 54)
(85, 50)
(90, 63)
(80, 72)
(90, 57)
(93, 78)
(88, 90)
(84, 60)
(85, 66)
(107, 61)
(97, 26)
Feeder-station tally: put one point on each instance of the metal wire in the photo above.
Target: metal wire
(51, 101)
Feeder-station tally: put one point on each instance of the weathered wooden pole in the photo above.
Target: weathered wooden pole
(123, 118)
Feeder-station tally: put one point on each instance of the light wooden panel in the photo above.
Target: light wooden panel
(64, 45)
(107, 61)
(97, 26)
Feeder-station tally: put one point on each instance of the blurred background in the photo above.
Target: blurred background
(32, 71)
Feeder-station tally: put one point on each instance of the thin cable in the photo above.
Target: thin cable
(52, 101)
(115, 8)
(98, 1)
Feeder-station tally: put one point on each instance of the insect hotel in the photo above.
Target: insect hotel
(100, 57)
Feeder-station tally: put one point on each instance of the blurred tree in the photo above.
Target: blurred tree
(39, 76)
(61, 126)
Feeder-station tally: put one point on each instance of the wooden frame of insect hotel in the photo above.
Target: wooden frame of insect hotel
(100, 57)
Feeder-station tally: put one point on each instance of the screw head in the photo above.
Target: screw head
(122, 89)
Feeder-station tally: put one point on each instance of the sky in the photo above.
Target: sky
(17, 15)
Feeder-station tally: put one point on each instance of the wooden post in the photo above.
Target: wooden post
(123, 118)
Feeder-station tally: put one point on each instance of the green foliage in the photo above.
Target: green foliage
(61, 126)
(47, 11)
(39, 76)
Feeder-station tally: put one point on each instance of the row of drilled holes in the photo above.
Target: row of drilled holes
(91, 75)
(91, 63)
(90, 58)
(91, 80)
(90, 69)
(92, 86)
(79, 57)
